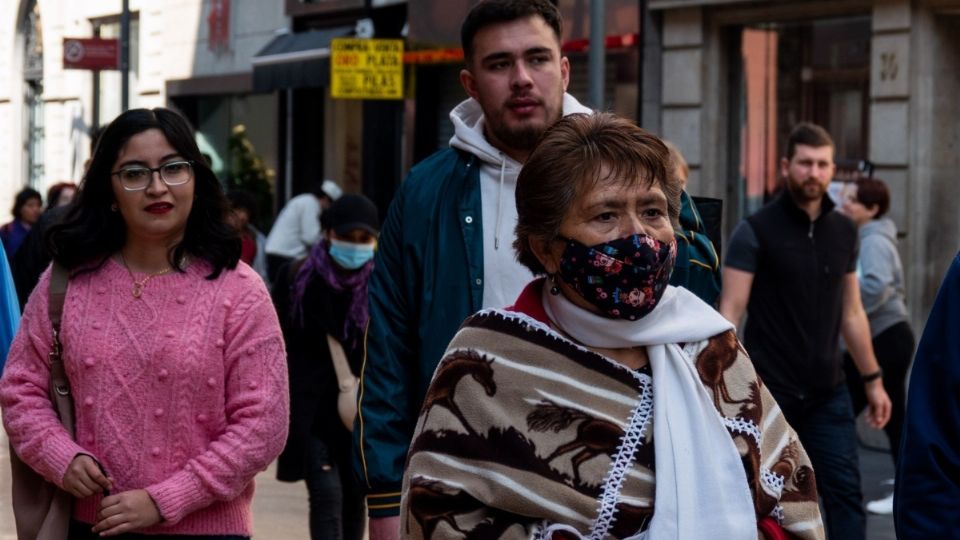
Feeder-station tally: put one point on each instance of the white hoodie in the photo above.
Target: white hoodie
(504, 277)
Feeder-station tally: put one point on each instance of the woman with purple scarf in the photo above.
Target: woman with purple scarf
(326, 294)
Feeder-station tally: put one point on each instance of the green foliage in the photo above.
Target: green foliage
(248, 172)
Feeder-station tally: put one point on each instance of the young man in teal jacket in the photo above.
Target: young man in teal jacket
(445, 249)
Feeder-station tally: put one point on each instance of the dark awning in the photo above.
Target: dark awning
(299, 60)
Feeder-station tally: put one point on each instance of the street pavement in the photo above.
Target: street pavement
(280, 508)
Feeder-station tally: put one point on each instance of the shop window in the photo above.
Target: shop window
(816, 71)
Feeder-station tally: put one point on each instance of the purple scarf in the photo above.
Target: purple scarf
(319, 263)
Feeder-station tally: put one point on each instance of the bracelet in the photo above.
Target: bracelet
(870, 377)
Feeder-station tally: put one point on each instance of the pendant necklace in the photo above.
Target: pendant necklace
(138, 286)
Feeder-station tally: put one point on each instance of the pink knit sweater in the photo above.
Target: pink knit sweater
(182, 392)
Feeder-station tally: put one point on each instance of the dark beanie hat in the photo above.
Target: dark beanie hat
(351, 212)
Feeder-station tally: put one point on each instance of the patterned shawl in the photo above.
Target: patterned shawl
(520, 429)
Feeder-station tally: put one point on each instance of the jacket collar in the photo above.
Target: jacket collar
(785, 200)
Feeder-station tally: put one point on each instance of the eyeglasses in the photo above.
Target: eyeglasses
(174, 173)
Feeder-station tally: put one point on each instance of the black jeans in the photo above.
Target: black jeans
(827, 430)
(275, 264)
(336, 501)
(894, 348)
(81, 531)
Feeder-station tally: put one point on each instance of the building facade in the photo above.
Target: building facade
(195, 52)
(881, 75)
(724, 79)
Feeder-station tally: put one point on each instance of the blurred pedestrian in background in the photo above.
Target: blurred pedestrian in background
(698, 267)
(602, 404)
(322, 302)
(27, 207)
(60, 194)
(297, 227)
(445, 247)
(792, 267)
(928, 472)
(33, 257)
(243, 212)
(880, 274)
(172, 350)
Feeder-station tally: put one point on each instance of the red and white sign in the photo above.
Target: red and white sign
(218, 23)
(91, 53)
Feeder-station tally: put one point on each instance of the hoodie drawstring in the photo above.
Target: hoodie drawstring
(496, 233)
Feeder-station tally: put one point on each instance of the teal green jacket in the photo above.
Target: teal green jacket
(697, 268)
(427, 278)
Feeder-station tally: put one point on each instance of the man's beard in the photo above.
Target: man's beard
(520, 138)
(525, 136)
(806, 191)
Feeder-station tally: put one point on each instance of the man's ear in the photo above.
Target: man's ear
(565, 72)
(784, 167)
(545, 251)
(469, 83)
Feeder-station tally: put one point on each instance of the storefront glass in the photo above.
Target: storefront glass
(816, 71)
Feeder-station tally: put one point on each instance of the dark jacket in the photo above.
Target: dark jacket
(428, 278)
(927, 498)
(313, 381)
(698, 267)
(33, 257)
(796, 300)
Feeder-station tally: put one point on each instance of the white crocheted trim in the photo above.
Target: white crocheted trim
(777, 514)
(747, 427)
(535, 325)
(632, 439)
(545, 531)
(772, 482)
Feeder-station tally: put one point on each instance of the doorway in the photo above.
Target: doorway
(807, 71)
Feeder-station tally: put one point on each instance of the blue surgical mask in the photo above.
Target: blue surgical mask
(350, 255)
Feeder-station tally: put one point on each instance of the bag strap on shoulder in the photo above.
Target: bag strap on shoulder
(58, 293)
(60, 395)
(345, 377)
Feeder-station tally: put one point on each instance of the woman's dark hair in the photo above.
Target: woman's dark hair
(54, 191)
(25, 195)
(91, 231)
(571, 158)
(873, 192)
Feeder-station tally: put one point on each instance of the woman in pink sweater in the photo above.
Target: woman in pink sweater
(173, 350)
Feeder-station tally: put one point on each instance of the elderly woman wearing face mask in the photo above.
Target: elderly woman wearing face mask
(604, 403)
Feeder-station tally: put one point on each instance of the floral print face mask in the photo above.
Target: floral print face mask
(623, 278)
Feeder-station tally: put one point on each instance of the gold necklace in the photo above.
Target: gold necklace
(138, 286)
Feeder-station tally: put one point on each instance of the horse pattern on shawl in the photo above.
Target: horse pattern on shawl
(521, 428)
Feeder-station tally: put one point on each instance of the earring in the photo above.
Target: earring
(113, 207)
(554, 288)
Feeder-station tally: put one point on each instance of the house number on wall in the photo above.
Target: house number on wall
(888, 66)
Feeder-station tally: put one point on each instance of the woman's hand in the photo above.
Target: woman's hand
(84, 477)
(125, 512)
